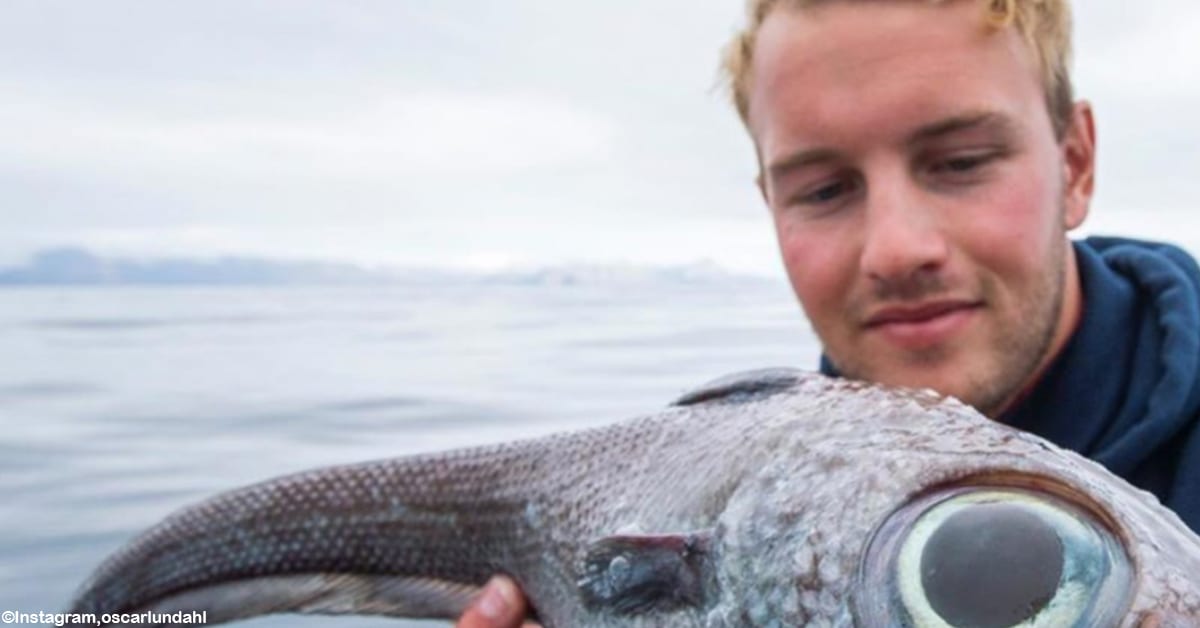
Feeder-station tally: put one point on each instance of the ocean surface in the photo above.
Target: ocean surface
(119, 405)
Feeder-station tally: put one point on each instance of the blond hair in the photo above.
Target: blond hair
(1045, 25)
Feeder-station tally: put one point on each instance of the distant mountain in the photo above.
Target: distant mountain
(78, 266)
(704, 272)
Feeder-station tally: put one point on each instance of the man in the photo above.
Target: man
(923, 161)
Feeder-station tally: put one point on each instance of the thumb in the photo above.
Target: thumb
(499, 605)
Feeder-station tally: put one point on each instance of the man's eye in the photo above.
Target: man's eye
(826, 193)
(962, 164)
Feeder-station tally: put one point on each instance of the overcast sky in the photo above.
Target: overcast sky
(480, 133)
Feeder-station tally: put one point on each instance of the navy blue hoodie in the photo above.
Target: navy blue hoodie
(1125, 390)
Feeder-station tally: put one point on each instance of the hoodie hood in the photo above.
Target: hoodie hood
(1125, 390)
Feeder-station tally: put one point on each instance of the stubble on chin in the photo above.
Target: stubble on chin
(1021, 354)
(987, 374)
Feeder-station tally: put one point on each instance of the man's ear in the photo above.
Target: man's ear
(1079, 164)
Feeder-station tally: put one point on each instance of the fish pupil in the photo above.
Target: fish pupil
(991, 565)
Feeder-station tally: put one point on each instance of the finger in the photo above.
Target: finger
(499, 605)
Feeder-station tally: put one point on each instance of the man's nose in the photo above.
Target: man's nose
(903, 235)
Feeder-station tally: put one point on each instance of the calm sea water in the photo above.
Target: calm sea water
(118, 405)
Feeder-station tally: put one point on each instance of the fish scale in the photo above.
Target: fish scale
(770, 498)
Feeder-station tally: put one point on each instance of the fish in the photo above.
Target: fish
(767, 498)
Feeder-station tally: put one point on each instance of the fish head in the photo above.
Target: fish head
(884, 508)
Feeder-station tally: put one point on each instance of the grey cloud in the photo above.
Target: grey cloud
(126, 120)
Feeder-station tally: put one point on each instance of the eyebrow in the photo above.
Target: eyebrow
(800, 159)
(1000, 123)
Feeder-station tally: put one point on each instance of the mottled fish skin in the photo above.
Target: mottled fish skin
(759, 494)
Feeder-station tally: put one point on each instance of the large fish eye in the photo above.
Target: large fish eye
(992, 558)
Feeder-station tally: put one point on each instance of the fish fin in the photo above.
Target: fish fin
(634, 574)
(743, 386)
(323, 594)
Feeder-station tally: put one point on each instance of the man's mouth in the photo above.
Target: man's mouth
(921, 325)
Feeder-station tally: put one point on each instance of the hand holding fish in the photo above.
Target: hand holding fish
(499, 605)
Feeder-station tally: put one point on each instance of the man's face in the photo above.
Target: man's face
(919, 194)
